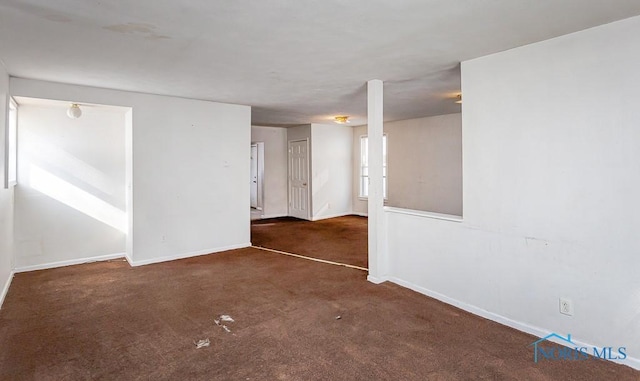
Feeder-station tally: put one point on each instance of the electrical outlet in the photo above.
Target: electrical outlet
(566, 307)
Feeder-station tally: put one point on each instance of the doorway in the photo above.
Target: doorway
(299, 179)
(257, 176)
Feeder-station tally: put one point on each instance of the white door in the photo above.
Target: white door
(254, 176)
(299, 179)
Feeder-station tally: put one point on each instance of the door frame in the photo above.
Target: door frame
(260, 174)
(289, 152)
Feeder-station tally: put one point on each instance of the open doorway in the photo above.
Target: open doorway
(324, 229)
(257, 179)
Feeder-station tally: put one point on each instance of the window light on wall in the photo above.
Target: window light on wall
(364, 166)
(11, 177)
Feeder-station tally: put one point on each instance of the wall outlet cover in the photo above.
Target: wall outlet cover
(566, 307)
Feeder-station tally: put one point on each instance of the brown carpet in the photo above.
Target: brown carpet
(294, 319)
(342, 239)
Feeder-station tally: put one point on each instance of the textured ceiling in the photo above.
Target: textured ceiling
(294, 61)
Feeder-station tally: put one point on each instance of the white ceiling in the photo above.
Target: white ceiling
(294, 61)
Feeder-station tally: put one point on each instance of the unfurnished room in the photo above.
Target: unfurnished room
(336, 190)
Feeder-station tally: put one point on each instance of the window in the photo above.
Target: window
(364, 166)
(11, 145)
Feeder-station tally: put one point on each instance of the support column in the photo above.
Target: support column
(378, 269)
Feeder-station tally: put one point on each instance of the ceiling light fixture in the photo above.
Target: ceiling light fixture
(341, 119)
(74, 111)
(459, 99)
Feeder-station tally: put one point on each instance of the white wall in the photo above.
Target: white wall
(331, 169)
(70, 202)
(190, 169)
(299, 133)
(551, 185)
(424, 164)
(275, 169)
(6, 196)
(331, 163)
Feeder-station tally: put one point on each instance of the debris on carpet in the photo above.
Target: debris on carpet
(202, 343)
(224, 318)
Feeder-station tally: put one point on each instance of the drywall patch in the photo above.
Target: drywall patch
(535, 241)
(147, 30)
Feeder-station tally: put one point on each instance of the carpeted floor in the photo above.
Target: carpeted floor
(294, 319)
(342, 239)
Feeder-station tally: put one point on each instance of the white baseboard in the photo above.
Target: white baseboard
(630, 361)
(331, 216)
(128, 258)
(69, 262)
(187, 255)
(265, 216)
(376, 280)
(360, 214)
(5, 289)
(520, 326)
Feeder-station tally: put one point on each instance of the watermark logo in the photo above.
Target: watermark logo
(545, 349)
